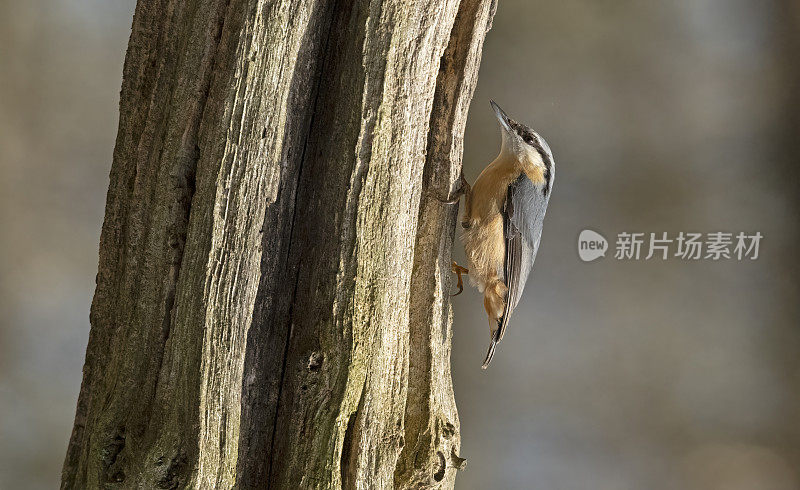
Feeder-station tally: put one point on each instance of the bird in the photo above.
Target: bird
(502, 221)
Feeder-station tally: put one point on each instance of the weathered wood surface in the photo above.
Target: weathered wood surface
(271, 307)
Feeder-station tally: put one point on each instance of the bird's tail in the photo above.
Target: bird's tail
(490, 354)
(494, 303)
(496, 335)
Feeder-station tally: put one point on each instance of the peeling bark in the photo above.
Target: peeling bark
(271, 307)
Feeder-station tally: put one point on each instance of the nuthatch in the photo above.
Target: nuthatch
(503, 216)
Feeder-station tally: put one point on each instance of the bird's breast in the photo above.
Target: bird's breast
(490, 189)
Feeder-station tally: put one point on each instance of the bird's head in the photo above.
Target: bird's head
(522, 143)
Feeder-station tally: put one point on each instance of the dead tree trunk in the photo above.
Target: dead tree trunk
(271, 307)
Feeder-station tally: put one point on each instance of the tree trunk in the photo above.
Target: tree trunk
(272, 296)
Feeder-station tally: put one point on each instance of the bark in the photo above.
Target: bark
(272, 302)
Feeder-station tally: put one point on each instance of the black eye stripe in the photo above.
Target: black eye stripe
(530, 138)
(523, 131)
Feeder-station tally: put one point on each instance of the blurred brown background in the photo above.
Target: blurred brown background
(663, 116)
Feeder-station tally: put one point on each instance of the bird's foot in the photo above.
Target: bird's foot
(458, 270)
(462, 190)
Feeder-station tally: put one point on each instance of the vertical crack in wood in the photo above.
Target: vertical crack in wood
(268, 338)
(278, 65)
(293, 284)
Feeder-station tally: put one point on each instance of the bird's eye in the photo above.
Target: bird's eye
(528, 139)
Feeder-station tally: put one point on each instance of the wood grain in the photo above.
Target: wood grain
(271, 307)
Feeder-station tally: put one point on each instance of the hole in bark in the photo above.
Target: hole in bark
(315, 361)
(173, 476)
(449, 430)
(263, 133)
(111, 454)
(439, 475)
(115, 447)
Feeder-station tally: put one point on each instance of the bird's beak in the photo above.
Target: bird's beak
(501, 116)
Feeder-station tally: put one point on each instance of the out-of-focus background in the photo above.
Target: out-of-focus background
(663, 117)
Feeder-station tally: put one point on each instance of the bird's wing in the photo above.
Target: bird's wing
(523, 216)
(524, 220)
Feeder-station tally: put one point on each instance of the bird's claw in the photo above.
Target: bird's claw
(458, 270)
(462, 190)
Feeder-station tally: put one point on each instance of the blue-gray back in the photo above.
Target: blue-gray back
(524, 217)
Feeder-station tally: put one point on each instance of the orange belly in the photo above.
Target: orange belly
(484, 242)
